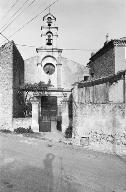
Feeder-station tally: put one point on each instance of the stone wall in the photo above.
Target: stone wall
(101, 93)
(6, 84)
(11, 77)
(120, 58)
(70, 72)
(103, 124)
(18, 80)
(21, 122)
(99, 117)
(104, 65)
(65, 116)
(34, 73)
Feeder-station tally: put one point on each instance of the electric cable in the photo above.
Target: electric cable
(8, 11)
(32, 19)
(14, 15)
(65, 49)
(17, 16)
(5, 37)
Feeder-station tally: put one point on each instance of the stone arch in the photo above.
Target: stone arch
(49, 32)
(49, 56)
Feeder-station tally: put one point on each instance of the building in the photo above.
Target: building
(110, 59)
(99, 108)
(50, 75)
(11, 77)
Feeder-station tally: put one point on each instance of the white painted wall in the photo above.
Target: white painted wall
(120, 58)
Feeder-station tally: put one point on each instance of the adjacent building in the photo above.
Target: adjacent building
(99, 108)
(11, 78)
(109, 60)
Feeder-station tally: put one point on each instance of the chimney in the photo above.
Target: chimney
(86, 77)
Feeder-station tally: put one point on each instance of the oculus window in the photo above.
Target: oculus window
(49, 68)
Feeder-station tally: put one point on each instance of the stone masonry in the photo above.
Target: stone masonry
(10, 60)
(18, 80)
(109, 60)
(102, 63)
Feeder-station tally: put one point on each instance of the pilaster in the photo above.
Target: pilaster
(35, 114)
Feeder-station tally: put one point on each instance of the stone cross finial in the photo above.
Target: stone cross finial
(107, 36)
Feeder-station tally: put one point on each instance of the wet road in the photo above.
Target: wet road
(32, 165)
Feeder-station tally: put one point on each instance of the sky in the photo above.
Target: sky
(83, 25)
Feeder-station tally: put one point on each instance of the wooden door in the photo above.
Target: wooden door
(48, 112)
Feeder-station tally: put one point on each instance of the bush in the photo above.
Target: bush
(21, 130)
(59, 125)
(68, 132)
(5, 131)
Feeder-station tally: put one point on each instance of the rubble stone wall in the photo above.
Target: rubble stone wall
(6, 92)
(18, 80)
(21, 122)
(11, 77)
(102, 124)
(104, 65)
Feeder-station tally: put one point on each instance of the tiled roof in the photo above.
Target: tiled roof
(107, 46)
(111, 79)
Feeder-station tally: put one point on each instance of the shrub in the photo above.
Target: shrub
(5, 131)
(59, 125)
(68, 132)
(21, 130)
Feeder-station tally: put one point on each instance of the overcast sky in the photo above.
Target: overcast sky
(82, 24)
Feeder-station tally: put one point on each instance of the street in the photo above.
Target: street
(36, 165)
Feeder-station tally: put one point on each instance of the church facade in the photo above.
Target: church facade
(50, 107)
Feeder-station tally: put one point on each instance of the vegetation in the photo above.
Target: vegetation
(41, 86)
(21, 130)
(59, 125)
(5, 131)
(68, 132)
(23, 98)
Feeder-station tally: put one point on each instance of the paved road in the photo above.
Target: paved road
(32, 165)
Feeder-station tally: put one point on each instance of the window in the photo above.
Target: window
(49, 68)
(49, 38)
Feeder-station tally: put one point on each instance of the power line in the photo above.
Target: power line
(25, 45)
(65, 49)
(8, 11)
(5, 37)
(17, 16)
(31, 20)
(79, 49)
(14, 15)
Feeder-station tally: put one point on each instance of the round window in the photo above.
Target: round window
(49, 68)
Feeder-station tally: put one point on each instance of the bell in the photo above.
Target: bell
(49, 42)
(49, 21)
